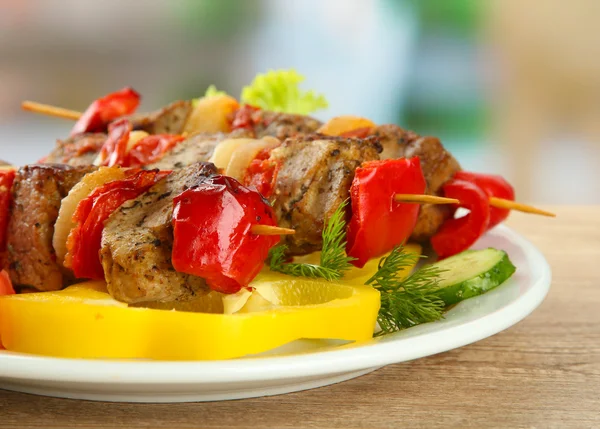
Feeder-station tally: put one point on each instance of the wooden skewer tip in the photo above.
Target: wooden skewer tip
(513, 205)
(271, 230)
(46, 109)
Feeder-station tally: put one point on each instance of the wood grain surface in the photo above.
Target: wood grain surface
(542, 373)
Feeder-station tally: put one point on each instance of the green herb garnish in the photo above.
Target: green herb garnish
(410, 301)
(334, 261)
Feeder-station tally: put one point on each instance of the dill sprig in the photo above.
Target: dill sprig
(334, 261)
(410, 301)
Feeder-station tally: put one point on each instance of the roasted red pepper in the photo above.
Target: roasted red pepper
(457, 235)
(84, 240)
(493, 186)
(105, 110)
(378, 222)
(6, 287)
(261, 174)
(114, 150)
(243, 118)
(7, 178)
(212, 237)
(151, 149)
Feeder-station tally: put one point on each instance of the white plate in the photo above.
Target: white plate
(299, 366)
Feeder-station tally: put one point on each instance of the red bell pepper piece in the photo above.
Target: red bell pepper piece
(212, 237)
(243, 118)
(105, 110)
(261, 174)
(6, 287)
(151, 149)
(457, 235)
(493, 186)
(378, 222)
(114, 151)
(6, 180)
(84, 240)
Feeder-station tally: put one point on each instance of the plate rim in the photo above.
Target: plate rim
(16, 366)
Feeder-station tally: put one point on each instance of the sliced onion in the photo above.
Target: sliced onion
(243, 156)
(64, 222)
(224, 151)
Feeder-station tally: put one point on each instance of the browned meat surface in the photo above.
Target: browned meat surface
(138, 240)
(437, 163)
(37, 193)
(314, 179)
(438, 167)
(77, 151)
(168, 120)
(393, 140)
(197, 148)
(282, 125)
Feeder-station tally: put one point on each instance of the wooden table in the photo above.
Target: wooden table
(542, 373)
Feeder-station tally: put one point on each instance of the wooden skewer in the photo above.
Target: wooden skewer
(271, 230)
(47, 109)
(494, 202)
(424, 199)
(512, 205)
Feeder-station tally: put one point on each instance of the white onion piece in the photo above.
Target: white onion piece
(243, 156)
(64, 222)
(225, 149)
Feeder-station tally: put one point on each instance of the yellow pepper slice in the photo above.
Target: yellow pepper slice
(82, 321)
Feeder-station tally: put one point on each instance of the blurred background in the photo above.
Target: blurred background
(511, 87)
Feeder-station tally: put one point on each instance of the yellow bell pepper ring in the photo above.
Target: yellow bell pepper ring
(83, 321)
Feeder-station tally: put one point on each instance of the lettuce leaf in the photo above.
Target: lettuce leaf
(278, 91)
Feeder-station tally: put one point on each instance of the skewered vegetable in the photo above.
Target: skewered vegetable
(105, 110)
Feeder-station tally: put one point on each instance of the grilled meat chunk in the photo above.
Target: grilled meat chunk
(37, 194)
(314, 179)
(137, 242)
(438, 167)
(393, 140)
(169, 120)
(77, 151)
(438, 164)
(282, 125)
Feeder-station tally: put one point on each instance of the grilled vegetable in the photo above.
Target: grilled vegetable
(457, 235)
(106, 109)
(378, 222)
(64, 222)
(212, 237)
(493, 186)
(7, 178)
(84, 240)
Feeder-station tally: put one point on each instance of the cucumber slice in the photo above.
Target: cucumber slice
(472, 273)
